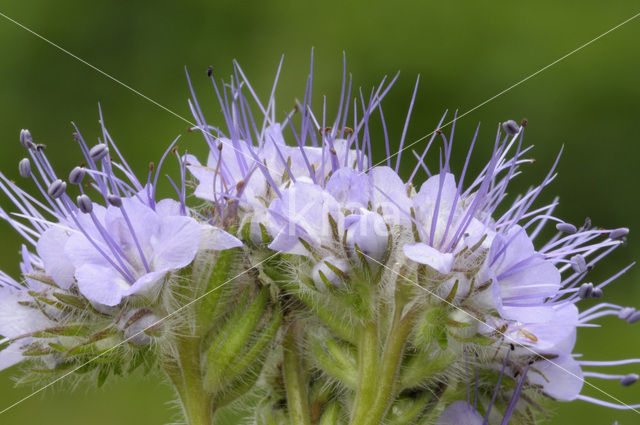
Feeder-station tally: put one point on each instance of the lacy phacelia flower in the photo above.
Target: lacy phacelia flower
(92, 260)
(392, 298)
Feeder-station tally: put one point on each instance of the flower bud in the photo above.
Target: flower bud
(323, 273)
(139, 326)
(369, 232)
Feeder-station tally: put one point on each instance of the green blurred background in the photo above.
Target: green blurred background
(465, 52)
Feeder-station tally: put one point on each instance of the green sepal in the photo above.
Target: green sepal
(241, 374)
(334, 360)
(406, 410)
(209, 307)
(231, 339)
(71, 300)
(66, 330)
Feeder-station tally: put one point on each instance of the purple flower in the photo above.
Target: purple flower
(148, 244)
(126, 246)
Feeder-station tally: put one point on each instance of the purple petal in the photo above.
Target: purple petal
(11, 355)
(176, 244)
(424, 254)
(560, 378)
(217, 239)
(51, 249)
(147, 285)
(101, 284)
(17, 319)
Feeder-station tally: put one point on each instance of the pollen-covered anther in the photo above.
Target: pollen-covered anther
(98, 152)
(114, 200)
(76, 175)
(566, 228)
(511, 127)
(619, 233)
(24, 168)
(84, 204)
(629, 380)
(57, 189)
(26, 140)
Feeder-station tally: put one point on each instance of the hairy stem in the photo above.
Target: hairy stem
(388, 373)
(367, 372)
(294, 376)
(186, 375)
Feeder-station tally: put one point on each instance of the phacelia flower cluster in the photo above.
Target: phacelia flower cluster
(358, 293)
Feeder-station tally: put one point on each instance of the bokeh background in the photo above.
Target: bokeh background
(464, 51)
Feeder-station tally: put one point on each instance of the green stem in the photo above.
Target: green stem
(294, 377)
(367, 372)
(186, 375)
(379, 381)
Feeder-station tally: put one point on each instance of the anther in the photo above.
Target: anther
(579, 264)
(24, 168)
(524, 122)
(626, 312)
(619, 233)
(634, 317)
(566, 228)
(84, 203)
(98, 152)
(25, 139)
(76, 175)
(114, 200)
(630, 379)
(597, 293)
(585, 291)
(57, 188)
(209, 71)
(511, 127)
